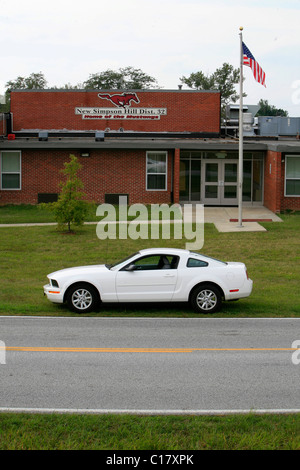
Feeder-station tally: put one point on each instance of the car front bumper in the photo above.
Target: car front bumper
(53, 294)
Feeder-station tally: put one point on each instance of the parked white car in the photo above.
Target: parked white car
(152, 275)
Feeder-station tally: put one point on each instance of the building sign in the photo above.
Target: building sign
(122, 109)
(124, 113)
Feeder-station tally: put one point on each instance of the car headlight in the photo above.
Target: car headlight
(54, 283)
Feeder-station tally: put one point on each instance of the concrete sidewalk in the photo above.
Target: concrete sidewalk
(225, 219)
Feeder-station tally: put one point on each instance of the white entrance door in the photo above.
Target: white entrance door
(220, 182)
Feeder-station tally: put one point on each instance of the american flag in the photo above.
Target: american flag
(249, 60)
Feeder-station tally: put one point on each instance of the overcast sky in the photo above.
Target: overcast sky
(68, 40)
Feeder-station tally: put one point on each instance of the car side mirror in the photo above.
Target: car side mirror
(131, 267)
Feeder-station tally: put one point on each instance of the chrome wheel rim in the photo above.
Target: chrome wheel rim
(206, 300)
(82, 299)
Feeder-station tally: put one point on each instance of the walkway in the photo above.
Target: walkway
(225, 219)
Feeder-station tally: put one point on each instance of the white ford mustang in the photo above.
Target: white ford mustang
(152, 275)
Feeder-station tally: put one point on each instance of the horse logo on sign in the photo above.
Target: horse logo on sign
(121, 100)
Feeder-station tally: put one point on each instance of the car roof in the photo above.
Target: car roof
(174, 251)
(177, 252)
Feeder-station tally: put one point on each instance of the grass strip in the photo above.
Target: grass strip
(124, 432)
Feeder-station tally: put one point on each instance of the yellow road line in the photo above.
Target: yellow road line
(135, 350)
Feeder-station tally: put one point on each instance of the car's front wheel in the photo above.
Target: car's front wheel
(206, 298)
(82, 298)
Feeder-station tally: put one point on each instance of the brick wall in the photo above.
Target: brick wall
(274, 181)
(113, 171)
(2, 125)
(187, 111)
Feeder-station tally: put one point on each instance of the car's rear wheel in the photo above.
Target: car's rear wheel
(82, 298)
(206, 298)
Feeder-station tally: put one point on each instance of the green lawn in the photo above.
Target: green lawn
(28, 254)
(27, 213)
(124, 432)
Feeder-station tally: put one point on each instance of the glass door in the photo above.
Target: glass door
(220, 186)
(184, 180)
(190, 180)
(195, 181)
(229, 187)
(211, 192)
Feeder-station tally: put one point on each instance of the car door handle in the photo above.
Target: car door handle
(169, 275)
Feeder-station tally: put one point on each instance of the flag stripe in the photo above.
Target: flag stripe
(249, 60)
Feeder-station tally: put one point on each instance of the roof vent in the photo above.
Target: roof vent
(43, 136)
(99, 136)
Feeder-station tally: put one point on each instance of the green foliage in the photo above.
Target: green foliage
(127, 78)
(267, 109)
(34, 80)
(70, 207)
(124, 78)
(223, 79)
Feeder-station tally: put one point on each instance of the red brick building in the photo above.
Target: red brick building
(154, 146)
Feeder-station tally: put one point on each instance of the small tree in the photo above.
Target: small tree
(70, 208)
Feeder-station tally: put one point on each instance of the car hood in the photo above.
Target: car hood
(78, 269)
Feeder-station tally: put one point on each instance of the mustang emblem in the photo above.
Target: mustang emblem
(120, 100)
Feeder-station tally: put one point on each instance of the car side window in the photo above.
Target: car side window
(154, 262)
(147, 263)
(196, 263)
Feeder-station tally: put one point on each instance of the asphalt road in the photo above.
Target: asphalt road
(199, 365)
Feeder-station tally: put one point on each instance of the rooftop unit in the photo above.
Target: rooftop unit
(249, 112)
(278, 125)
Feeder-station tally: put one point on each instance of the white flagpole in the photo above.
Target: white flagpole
(240, 177)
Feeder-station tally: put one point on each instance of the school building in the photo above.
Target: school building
(154, 146)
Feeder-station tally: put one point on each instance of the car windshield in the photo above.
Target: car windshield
(114, 265)
(207, 257)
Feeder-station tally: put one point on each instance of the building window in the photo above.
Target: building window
(292, 175)
(156, 171)
(11, 170)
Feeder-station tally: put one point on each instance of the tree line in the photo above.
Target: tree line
(224, 79)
